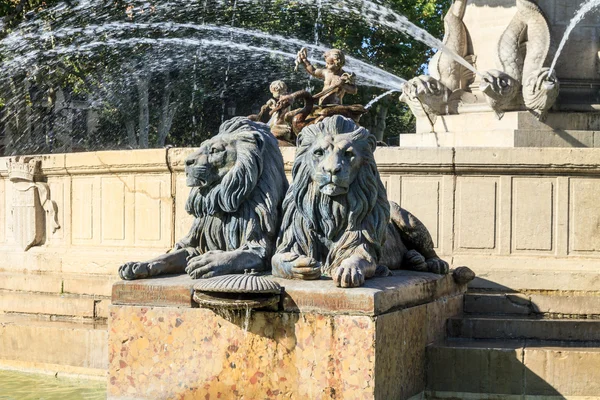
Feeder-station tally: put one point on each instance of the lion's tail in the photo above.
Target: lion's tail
(420, 255)
(413, 233)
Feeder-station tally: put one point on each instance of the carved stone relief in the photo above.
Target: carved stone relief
(30, 203)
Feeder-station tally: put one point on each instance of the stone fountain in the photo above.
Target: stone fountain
(516, 101)
(524, 219)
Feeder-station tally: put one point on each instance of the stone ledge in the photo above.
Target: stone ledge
(379, 295)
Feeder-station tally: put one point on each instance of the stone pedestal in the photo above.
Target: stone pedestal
(323, 343)
(514, 129)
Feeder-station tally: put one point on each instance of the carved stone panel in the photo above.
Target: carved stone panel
(584, 216)
(533, 214)
(476, 213)
(426, 207)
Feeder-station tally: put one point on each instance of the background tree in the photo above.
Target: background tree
(137, 74)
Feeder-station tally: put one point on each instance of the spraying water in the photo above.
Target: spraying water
(316, 40)
(381, 96)
(121, 61)
(583, 10)
(377, 14)
(370, 74)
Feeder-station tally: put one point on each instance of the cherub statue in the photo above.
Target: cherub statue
(336, 82)
(274, 116)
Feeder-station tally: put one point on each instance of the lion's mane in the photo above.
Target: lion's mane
(331, 229)
(243, 211)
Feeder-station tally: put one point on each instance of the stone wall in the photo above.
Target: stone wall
(494, 210)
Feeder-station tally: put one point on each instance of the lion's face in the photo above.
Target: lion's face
(207, 166)
(336, 161)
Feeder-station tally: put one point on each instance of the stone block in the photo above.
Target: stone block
(437, 315)
(476, 213)
(48, 304)
(571, 304)
(556, 370)
(516, 129)
(164, 352)
(95, 285)
(404, 358)
(502, 274)
(30, 282)
(524, 328)
(377, 296)
(479, 303)
(324, 342)
(34, 343)
(556, 303)
(475, 367)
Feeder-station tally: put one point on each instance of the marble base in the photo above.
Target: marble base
(515, 129)
(324, 343)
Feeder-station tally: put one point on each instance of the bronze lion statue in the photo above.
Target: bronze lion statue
(238, 184)
(337, 219)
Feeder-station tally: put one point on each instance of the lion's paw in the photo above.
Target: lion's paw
(134, 270)
(348, 276)
(415, 261)
(437, 266)
(294, 266)
(209, 264)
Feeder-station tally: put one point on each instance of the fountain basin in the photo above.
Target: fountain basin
(323, 342)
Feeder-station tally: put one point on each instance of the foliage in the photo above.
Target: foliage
(92, 86)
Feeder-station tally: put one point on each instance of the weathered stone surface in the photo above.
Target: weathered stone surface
(164, 291)
(57, 283)
(522, 278)
(281, 355)
(379, 295)
(437, 316)
(552, 369)
(49, 304)
(400, 342)
(476, 367)
(551, 303)
(320, 352)
(513, 369)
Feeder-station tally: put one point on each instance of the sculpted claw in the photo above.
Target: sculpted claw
(438, 266)
(348, 277)
(134, 270)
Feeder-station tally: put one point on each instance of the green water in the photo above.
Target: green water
(23, 386)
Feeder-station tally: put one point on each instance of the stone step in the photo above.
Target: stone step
(512, 369)
(60, 283)
(558, 304)
(92, 261)
(488, 327)
(30, 343)
(50, 304)
(514, 275)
